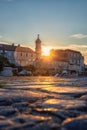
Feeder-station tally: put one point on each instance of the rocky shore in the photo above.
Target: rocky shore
(43, 103)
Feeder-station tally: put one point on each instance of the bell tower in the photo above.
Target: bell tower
(38, 47)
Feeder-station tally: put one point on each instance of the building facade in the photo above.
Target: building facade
(58, 61)
(74, 59)
(18, 55)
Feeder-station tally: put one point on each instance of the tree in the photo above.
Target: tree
(1, 66)
(3, 62)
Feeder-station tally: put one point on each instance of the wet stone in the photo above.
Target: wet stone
(30, 118)
(40, 126)
(20, 106)
(78, 123)
(77, 95)
(48, 112)
(5, 101)
(84, 97)
(19, 99)
(52, 103)
(16, 99)
(29, 122)
(7, 112)
(2, 118)
(43, 105)
(79, 108)
(25, 126)
(68, 113)
(5, 124)
(50, 125)
(21, 119)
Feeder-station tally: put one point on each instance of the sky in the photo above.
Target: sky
(61, 23)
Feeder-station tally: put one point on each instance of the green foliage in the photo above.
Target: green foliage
(3, 62)
(12, 65)
(1, 66)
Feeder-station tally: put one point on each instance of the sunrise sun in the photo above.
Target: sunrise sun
(46, 50)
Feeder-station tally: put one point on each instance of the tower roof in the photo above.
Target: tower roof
(38, 39)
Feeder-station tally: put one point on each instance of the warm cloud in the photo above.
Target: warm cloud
(79, 36)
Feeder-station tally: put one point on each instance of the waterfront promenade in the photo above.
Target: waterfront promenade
(43, 103)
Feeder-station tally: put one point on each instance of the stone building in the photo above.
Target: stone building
(18, 55)
(58, 61)
(76, 61)
(73, 59)
(22, 56)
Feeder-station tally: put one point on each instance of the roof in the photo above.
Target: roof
(24, 49)
(66, 50)
(15, 48)
(72, 51)
(7, 47)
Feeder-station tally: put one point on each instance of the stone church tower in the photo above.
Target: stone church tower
(38, 47)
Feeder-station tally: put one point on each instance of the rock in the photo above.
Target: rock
(64, 114)
(31, 118)
(23, 126)
(49, 125)
(18, 99)
(20, 106)
(49, 112)
(84, 97)
(5, 124)
(7, 112)
(20, 120)
(24, 98)
(78, 123)
(4, 101)
(52, 103)
(28, 122)
(79, 108)
(2, 118)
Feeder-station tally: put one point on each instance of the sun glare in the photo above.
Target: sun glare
(46, 50)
